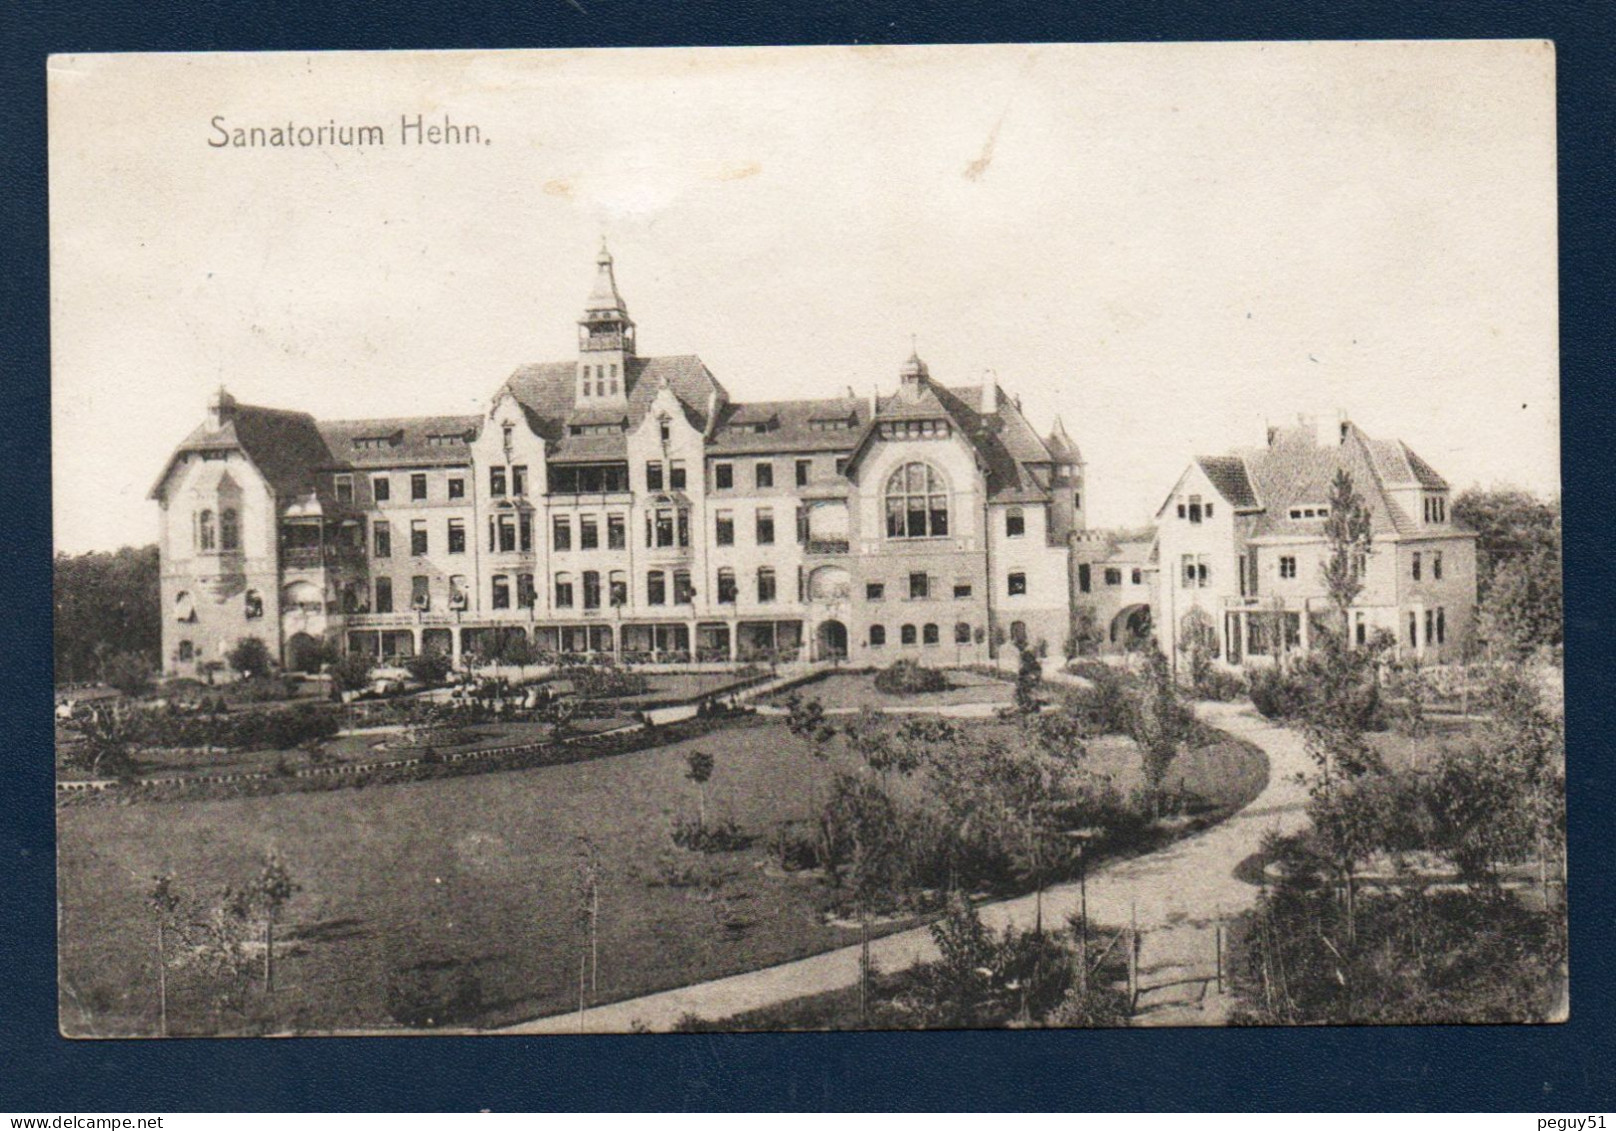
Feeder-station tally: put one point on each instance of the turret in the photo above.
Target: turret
(605, 342)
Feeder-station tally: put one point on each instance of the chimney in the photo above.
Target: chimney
(990, 394)
(221, 408)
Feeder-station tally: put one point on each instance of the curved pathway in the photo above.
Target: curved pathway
(1176, 893)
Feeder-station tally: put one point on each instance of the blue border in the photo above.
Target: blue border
(1559, 1069)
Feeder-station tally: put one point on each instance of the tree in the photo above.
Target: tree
(1522, 608)
(1347, 532)
(518, 650)
(352, 672)
(109, 738)
(130, 672)
(586, 893)
(163, 902)
(250, 657)
(104, 602)
(1160, 726)
(699, 769)
(1029, 676)
(1510, 525)
(272, 889)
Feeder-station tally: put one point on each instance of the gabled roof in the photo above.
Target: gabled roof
(548, 393)
(1229, 478)
(412, 441)
(284, 446)
(790, 426)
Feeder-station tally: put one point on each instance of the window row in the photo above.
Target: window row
(210, 534)
(1436, 627)
(1436, 508)
(928, 634)
(381, 486)
(1418, 560)
(1195, 572)
(1195, 510)
(918, 586)
(601, 379)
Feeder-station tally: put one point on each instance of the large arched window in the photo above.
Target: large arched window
(917, 503)
(204, 530)
(229, 530)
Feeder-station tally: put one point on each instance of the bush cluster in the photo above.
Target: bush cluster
(276, 729)
(714, 836)
(908, 677)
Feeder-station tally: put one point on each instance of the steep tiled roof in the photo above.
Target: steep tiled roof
(547, 391)
(285, 446)
(418, 441)
(790, 426)
(1296, 470)
(1228, 475)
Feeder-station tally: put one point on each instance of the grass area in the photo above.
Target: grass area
(680, 687)
(853, 690)
(1401, 752)
(476, 876)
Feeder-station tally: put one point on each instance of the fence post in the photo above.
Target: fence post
(1133, 957)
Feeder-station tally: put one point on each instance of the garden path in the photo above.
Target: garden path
(1177, 894)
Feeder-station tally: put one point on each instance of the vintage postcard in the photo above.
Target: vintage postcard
(807, 538)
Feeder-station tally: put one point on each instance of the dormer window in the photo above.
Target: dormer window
(1436, 509)
(1304, 514)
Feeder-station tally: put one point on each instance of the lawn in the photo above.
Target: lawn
(1401, 752)
(476, 874)
(853, 690)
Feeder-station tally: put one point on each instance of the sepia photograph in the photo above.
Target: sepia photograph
(1001, 536)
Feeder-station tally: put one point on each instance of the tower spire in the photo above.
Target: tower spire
(605, 340)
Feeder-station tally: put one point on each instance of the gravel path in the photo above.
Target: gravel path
(1177, 894)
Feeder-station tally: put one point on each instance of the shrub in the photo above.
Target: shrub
(907, 677)
(251, 657)
(720, 836)
(605, 681)
(1105, 708)
(431, 667)
(1280, 692)
(434, 993)
(1218, 685)
(352, 672)
(794, 847)
(130, 673)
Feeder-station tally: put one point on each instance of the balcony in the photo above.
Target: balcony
(320, 557)
(822, 547)
(602, 342)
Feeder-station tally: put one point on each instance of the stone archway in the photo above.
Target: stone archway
(832, 640)
(1130, 625)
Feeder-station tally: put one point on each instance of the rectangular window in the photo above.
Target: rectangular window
(726, 587)
(841, 465)
(507, 534)
(1015, 524)
(420, 593)
(874, 591)
(1436, 565)
(502, 591)
(1413, 629)
(457, 487)
(1084, 583)
(616, 532)
(524, 591)
(1018, 584)
(765, 585)
(384, 594)
(1181, 510)
(764, 474)
(1138, 577)
(524, 527)
(804, 466)
(723, 476)
(563, 591)
(1195, 508)
(1441, 625)
(591, 589)
(1077, 500)
(683, 592)
(519, 480)
(1287, 567)
(725, 534)
(1203, 572)
(1188, 572)
(684, 526)
(1430, 627)
(1113, 576)
(418, 487)
(765, 526)
(496, 482)
(1416, 560)
(187, 651)
(381, 488)
(418, 537)
(344, 486)
(664, 528)
(919, 587)
(653, 475)
(962, 590)
(562, 539)
(457, 536)
(676, 475)
(383, 539)
(619, 589)
(802, 526)
(656, 588)
(588, 532)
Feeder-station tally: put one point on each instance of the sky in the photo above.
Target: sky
(1169, 246)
